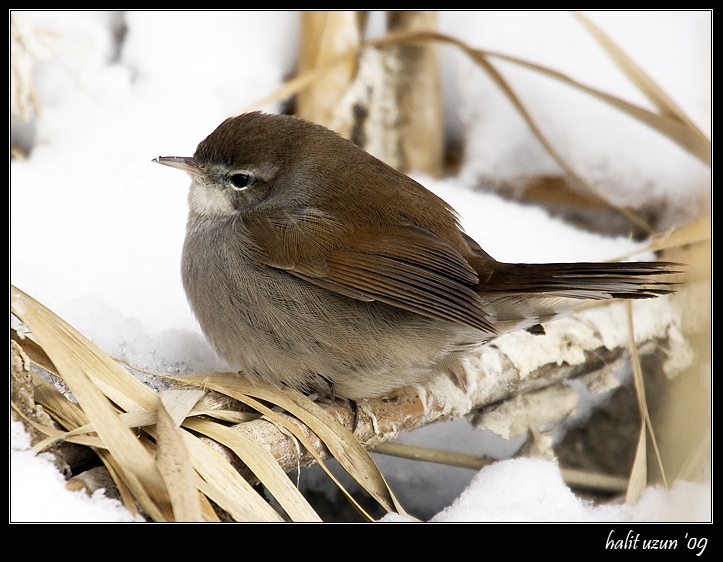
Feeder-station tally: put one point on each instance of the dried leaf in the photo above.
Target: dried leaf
(262, 464)
(173, 462)
(637, 76)
(639, 474)
(179, 403)
(225, 486)
(82, 365)
(640, 393)
(339, 440)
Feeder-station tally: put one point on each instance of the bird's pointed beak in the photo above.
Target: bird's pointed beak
(185, 163)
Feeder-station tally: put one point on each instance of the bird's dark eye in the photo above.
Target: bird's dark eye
(241, 181)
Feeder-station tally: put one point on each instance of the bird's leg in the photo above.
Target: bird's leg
(352, 404)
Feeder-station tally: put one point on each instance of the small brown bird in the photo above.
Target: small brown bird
(310, 263)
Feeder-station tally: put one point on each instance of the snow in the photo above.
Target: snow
(38, 491)
(97, 228)
(532, 490)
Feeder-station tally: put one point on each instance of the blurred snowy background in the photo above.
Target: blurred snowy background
(97, 228)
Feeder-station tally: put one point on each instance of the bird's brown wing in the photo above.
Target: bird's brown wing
(404, 266)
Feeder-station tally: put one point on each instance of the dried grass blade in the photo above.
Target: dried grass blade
(637, 75)
(208, 513)
(594, 480)
(426, 454)
(125, 479)
(694, 233)
(225, 486)
(124, 491)
(639, 473)
(700, 457)
(179, 403)
(113, 380)
(225, 415)
(692, 141)
(578, 181)
(175, 466)
(576, 478)
(54, 435)
(34, 352)
(672, 123)
(340, 441)
(79, 434)
(71, 416)
(640, 391)
(65, 412)
(79, 362)
(262, 464)
(296, 432)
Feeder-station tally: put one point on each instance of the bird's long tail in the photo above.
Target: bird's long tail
(623, 280)
(525, 295)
